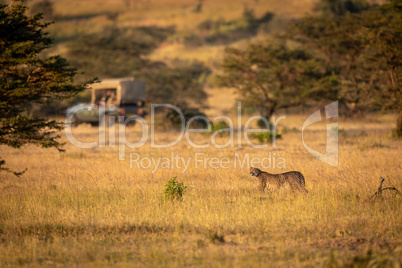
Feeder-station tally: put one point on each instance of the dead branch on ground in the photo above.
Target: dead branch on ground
(380, 190)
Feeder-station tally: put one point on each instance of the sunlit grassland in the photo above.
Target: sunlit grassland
(74, 18)
(179, 12)
(85, 206)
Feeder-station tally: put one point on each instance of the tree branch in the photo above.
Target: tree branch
(380, 190)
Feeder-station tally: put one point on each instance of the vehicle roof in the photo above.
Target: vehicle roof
(111, 82)
(117, 79)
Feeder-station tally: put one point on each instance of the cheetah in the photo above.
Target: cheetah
(293, 179)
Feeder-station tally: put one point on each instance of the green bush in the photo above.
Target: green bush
(174, 190)
(266, 136)
(262, 123)
(188, 114)
(219, 126)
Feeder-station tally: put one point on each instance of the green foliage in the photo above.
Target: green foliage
(266, 137)
(365, 52)
(271, 76)
(262, 122)
(219, 126)
(174, 190)
(25, 78)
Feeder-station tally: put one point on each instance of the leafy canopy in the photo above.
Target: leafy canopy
(25, 78)
(364, 49)
(271, 76)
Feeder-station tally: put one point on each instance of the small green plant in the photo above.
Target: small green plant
(266, 137)
(219, 125)
(218, 128)
(174, 190)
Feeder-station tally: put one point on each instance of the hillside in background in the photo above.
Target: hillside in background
(91, 16)
(182, 42)
(197, 30)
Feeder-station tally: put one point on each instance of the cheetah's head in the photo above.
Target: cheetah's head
(255, 171)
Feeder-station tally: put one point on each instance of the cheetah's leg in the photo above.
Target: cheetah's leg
(262, 187)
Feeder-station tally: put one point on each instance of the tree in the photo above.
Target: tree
(26, 77)
(341, 44)
(365, 49)
(271, 76)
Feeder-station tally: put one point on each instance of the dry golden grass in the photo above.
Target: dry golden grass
(92, 16)
(220, 101)
(85, 207)
(180, 12)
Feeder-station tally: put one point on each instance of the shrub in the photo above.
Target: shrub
(262, 123)
(220, 125)
(188, 114)
(266, 136)
(174, 190)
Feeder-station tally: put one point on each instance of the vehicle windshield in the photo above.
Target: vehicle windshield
(105, 96)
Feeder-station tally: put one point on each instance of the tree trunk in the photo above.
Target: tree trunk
(266, 112)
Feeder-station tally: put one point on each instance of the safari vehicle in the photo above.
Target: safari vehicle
(111, 97)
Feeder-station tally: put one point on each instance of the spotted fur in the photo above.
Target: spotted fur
(293, 179)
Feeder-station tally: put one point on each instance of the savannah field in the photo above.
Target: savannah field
(85, 207)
